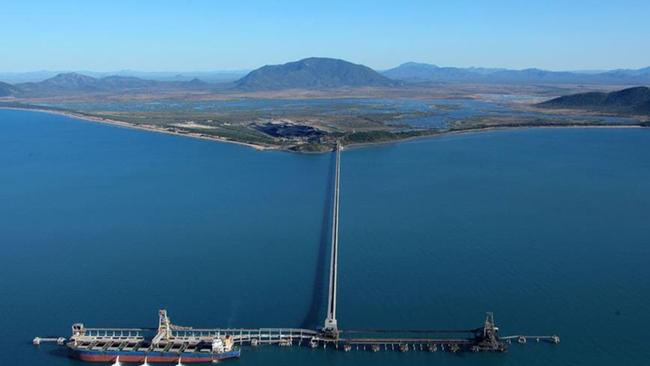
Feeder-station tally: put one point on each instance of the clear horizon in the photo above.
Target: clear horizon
(234, 70)
(204, 36)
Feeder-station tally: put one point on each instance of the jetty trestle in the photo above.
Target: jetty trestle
(173, 339)
(330, 327)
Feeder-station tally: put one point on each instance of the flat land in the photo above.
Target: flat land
(312, 121)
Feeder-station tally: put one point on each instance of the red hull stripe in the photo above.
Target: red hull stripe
(139, 358)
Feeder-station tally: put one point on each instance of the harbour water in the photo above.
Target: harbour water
(547, 228)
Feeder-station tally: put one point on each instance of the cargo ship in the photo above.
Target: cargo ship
(169, 344)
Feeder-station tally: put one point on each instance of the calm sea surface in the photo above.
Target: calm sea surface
(548, 228)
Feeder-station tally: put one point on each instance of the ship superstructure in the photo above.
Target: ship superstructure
(130, 345)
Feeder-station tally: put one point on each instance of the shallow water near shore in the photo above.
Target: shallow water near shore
(545, 227)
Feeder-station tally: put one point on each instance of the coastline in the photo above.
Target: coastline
(477, 130)
(434, 134)
(148, 128)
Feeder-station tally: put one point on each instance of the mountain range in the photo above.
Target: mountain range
(318, 73)
(208, 76)
(313, 73)
(419, 72)
(70, 83)
(631, 101)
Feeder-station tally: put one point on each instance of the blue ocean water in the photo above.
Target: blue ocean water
(546, 227)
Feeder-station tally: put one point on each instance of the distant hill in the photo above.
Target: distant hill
(644, 108)
(631, 100)
(209, 76)
(62, 83)
(313, 73)
(7, 90)
(74, 83)
(414, 71)
(125, 82)
(418, 72)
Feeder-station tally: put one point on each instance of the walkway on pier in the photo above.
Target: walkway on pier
(330, 325)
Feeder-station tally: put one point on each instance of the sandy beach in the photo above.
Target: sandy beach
(150, 128)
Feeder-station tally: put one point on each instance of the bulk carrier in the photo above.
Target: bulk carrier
(119, 345)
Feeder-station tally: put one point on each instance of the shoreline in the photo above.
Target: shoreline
(150, 128)
(362, 145)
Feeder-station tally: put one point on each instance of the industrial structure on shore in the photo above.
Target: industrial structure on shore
(172, 343)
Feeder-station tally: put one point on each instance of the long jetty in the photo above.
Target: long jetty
(482, 339)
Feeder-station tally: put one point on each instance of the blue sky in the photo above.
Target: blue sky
(192, 35)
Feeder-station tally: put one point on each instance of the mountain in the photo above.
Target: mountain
(210, 76)
(74, 83)
(125, 82)
(7, 90)
(412, 71)
(644, 108)
(65, 83)
(312, 73)
(631, 100)
(418, 72)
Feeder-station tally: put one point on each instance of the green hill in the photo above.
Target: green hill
(631, 100)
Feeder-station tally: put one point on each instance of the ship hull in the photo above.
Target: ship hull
(135, 356)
